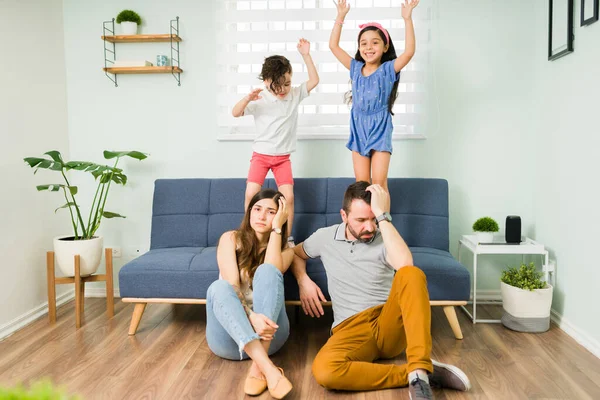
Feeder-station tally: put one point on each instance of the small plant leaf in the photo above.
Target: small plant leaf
(44, 163)
(53, 187)
(138, 155)
(69, 204)
(108, 214)
(55, 155)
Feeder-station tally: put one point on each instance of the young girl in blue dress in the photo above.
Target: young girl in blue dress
(375, 73)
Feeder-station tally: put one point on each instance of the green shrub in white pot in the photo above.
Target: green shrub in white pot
(129, 20)
(484, 229)
(526, 299)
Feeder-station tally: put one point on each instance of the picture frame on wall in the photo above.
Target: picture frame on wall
(589, 12)
(560, 28)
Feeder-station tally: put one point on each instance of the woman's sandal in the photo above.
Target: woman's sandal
(254, 386)
(282, 388)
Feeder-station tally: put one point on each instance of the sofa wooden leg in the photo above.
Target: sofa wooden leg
(453, 320)
(136, 317)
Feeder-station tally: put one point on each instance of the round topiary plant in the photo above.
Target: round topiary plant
(129, 16)
(485, 224)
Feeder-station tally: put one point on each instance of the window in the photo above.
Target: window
(249, 31)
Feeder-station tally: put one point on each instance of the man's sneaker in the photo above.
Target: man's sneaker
(449, 376)
(418, 389)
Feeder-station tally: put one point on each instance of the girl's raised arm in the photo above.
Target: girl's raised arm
(334, 39)
(409, 50)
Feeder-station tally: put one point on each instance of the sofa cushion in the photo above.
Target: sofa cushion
(447, 279)
(181, 272)
(186, 272)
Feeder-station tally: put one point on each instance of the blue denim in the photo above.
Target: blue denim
(228, 329)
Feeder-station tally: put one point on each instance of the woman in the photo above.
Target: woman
(245, 308)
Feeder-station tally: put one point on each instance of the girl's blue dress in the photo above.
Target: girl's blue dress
(370, 121)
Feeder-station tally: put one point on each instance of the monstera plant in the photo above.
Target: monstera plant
(84, 240)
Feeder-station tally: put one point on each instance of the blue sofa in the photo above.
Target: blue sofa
(189, 216)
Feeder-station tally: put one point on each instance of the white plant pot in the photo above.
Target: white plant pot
(526, 310)
(129, 28)
(90, 254)
(485, 237)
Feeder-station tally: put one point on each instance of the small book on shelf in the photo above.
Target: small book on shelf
(132, 64)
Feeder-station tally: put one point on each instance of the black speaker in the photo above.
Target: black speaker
(513, 229)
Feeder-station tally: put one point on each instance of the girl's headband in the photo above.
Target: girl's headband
(378, 26)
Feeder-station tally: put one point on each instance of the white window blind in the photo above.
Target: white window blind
(249, 31)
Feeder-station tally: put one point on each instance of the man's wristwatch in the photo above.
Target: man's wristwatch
(386, 216)
(276, 230)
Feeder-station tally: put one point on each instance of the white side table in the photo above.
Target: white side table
(528, 246)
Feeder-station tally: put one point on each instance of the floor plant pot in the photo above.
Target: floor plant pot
(526, 310)
(89, 250)
(129, 28)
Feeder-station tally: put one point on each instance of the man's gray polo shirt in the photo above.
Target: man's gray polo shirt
(358, 275)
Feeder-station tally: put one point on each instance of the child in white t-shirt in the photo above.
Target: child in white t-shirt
(276, 118)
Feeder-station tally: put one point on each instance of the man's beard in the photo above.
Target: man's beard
(360, 237)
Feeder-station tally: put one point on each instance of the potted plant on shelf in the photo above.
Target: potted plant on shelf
(83, 241)
(484, 229)
(129, 21)
(526, 299)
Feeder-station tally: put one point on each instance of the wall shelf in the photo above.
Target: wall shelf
(141, 38)
(110, 51)
(143, 70)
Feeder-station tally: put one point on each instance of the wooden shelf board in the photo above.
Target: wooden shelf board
(142, 70)
(141, 38)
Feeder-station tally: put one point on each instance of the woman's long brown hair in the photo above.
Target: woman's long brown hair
(248, 252)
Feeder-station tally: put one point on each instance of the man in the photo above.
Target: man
(380, 302)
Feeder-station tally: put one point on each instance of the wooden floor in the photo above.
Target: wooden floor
(169, 358)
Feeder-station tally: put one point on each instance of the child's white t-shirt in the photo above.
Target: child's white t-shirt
(276, 121)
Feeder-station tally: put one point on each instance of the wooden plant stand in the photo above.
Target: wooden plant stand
(79, 282)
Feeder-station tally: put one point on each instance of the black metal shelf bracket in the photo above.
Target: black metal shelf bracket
(175, 50)
(110, 55)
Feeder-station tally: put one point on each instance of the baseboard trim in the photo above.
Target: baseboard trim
(581, 337)
(488, 295)
(20, 322)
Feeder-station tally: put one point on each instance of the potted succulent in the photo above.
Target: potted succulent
(484, 229)
(83, 240)
(129, 21)
(526, 299)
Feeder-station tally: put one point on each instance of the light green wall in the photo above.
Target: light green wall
(567, 194)
(33, 120)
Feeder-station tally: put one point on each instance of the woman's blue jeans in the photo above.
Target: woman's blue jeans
(228, 329)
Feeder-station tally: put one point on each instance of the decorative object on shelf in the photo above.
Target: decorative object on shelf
(145, 63)
(560, 28)
(162, 61)
(526, 299)
(83, 241)
(512, 231)
(112, 69)
(589, 12)
(129, 21)
(484, 228)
